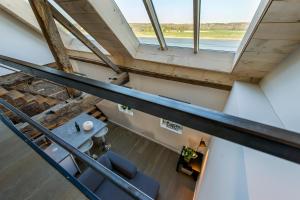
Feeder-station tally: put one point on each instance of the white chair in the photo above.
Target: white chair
(86, 147)
(99, 137)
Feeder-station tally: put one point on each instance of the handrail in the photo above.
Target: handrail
(117, 180)
(86, 191)
(272, 140)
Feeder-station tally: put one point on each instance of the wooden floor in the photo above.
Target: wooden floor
(24, 175)
(154, 160)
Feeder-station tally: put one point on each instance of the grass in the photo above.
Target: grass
(207, 34)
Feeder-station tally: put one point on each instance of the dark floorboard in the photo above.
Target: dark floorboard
(154, 160)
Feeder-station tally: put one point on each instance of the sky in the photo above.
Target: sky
(181, 11)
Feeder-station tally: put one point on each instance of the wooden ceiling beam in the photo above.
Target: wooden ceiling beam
(46, 21)
(273, 35)
(89, 58)
(47, 24)
(80, 36)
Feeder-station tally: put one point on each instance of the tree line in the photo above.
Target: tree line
(147, 27)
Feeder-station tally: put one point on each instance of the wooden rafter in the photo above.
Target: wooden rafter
(206, 83)
(46, 21)
(80, 36)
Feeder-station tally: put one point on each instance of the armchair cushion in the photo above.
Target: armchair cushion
(104, 160)
(123, 166)
(92, 179)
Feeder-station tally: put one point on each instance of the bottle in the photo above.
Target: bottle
(77, 127)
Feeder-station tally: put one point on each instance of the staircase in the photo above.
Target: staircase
(95, 112)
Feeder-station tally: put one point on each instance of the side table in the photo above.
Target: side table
(193, 167)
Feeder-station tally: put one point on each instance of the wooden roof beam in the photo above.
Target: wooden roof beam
(80, 36)
(47, 24)
(215, 80)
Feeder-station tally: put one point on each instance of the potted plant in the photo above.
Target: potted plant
(188, 154)
(125, 107)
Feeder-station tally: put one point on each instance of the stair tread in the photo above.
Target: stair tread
(40, 99)
(51, 102)
(103, 118)
(3, 91)
(96, 114)
(91, 109)
(29, 97)
(14, 94)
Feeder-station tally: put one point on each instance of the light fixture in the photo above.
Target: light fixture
(202, 144)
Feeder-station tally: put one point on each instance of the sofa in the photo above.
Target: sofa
(106, 190)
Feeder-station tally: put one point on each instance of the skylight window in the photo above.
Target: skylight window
(224, 23)
(136, 15)
(176, 20)
(69, 40)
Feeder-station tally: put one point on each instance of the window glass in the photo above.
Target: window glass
(224, 23)
(136, 15)
(70, 41)
(176, 20)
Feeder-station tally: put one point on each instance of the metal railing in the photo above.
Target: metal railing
(117, 180)
(272, 140)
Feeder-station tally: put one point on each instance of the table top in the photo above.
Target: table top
(56, 152)
(68, 131)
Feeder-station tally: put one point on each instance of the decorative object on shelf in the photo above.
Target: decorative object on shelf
(188, 154)
(125, 109)
(77, 127)
(189, 163)
(88, 125)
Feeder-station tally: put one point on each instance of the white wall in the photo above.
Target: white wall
(93, 71)
(224, 177)
(281, 177)
(261, 176)
(282, 88)
(21, 42)
(194, 94)
(149, 126)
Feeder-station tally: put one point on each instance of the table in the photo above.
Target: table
(69, 134)
(193, 167)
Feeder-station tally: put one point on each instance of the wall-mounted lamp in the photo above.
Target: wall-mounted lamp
(202, 144)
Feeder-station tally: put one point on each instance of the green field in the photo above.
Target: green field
(210, 34)
(231, 31)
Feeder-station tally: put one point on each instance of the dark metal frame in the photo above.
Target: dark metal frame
(155, 23)
(275, 141)
(196, 12)
(89, 194)
(81, 37)
(117, 180)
